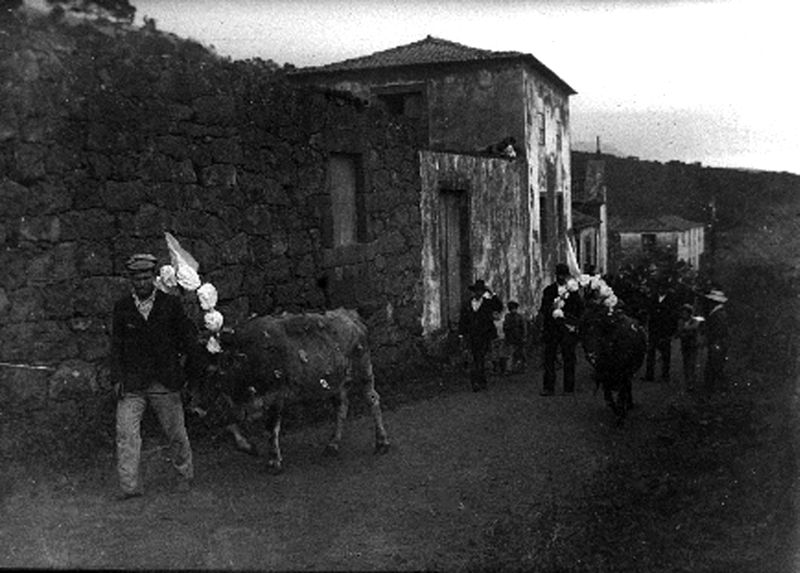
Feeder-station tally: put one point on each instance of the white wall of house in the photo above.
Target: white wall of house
(688, 245)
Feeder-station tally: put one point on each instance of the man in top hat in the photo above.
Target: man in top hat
(476, 326)
(717, 340)
(150, 334)
(560, 330)
(662, 326)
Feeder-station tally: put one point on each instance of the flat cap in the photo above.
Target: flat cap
(141, 262)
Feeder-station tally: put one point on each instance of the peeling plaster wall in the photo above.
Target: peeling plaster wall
(473, 105)
(500, 221)
(553, 105)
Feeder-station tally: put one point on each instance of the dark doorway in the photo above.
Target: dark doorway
(456, 263)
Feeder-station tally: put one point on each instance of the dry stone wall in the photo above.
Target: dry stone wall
(109, 137)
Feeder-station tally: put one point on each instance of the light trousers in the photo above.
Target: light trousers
(169, 410)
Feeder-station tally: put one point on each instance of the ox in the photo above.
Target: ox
(272, 360)
(615, 345)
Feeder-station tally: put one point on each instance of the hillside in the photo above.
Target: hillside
(638, 188)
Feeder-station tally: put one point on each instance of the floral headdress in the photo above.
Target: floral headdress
(593, 285)
(183, 272)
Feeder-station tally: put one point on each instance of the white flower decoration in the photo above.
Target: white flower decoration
(584, 280)
(558, 313)
(213, 345)
(213, 320)
(572, 285)
(562, 290)
(558, 303)
(605, 290)
(187, 277)
(207, 295)
(166, 275)
(611, 301)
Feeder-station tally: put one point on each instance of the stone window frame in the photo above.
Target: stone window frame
(359, 214)
(383, 93)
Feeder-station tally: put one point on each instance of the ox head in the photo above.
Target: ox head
(595, 328)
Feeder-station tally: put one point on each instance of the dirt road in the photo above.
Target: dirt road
(460, 462)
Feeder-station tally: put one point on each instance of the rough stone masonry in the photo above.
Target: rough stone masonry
(110, 136)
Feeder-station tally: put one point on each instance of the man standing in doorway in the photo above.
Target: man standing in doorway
(150, 334)
(561, 309)
(476, 326)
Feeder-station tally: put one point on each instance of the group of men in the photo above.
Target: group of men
(152, 335)
(561, 310)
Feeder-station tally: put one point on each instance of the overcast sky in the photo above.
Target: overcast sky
(711, 81)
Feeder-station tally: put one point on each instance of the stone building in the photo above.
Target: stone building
(639, 239)
(590, 215)
(504, 220)
(290, 198)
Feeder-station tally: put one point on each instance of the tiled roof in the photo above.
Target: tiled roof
(663, 223)
(428, 51)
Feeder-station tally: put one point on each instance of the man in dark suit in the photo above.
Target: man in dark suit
(662, 326)
(150, 334)
(561, 309)
(476, 327)
(716, 329)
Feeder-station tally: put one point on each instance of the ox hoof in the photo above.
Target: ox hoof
(274, 468)
(381, 448)
(331, 451)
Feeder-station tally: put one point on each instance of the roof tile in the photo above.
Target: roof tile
(429, 50)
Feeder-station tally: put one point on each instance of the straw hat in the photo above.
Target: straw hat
(717, 296)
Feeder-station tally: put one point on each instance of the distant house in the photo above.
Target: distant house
(636, 238)
(590, 217)
(586, 231)
(494, 143)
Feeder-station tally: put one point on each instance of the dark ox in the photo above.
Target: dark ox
(272, 360)
(615, 345)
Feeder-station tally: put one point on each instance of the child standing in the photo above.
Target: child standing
(514, 331)
(688, 328)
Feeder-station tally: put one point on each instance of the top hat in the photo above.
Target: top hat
(478, 286)
(562, 269)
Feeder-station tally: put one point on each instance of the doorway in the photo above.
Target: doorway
(456, 262)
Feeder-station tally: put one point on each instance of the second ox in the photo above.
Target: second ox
(272, 360)
(615, 346)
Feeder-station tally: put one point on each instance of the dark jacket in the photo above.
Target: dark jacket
(514, 328)
(148, 351)
(663, 316)
(478, 326)
(716, 327)
(573, 310)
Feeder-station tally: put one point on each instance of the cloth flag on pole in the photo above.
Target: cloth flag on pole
(572, 260)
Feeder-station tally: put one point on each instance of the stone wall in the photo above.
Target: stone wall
(111, 136)
(498, 231)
